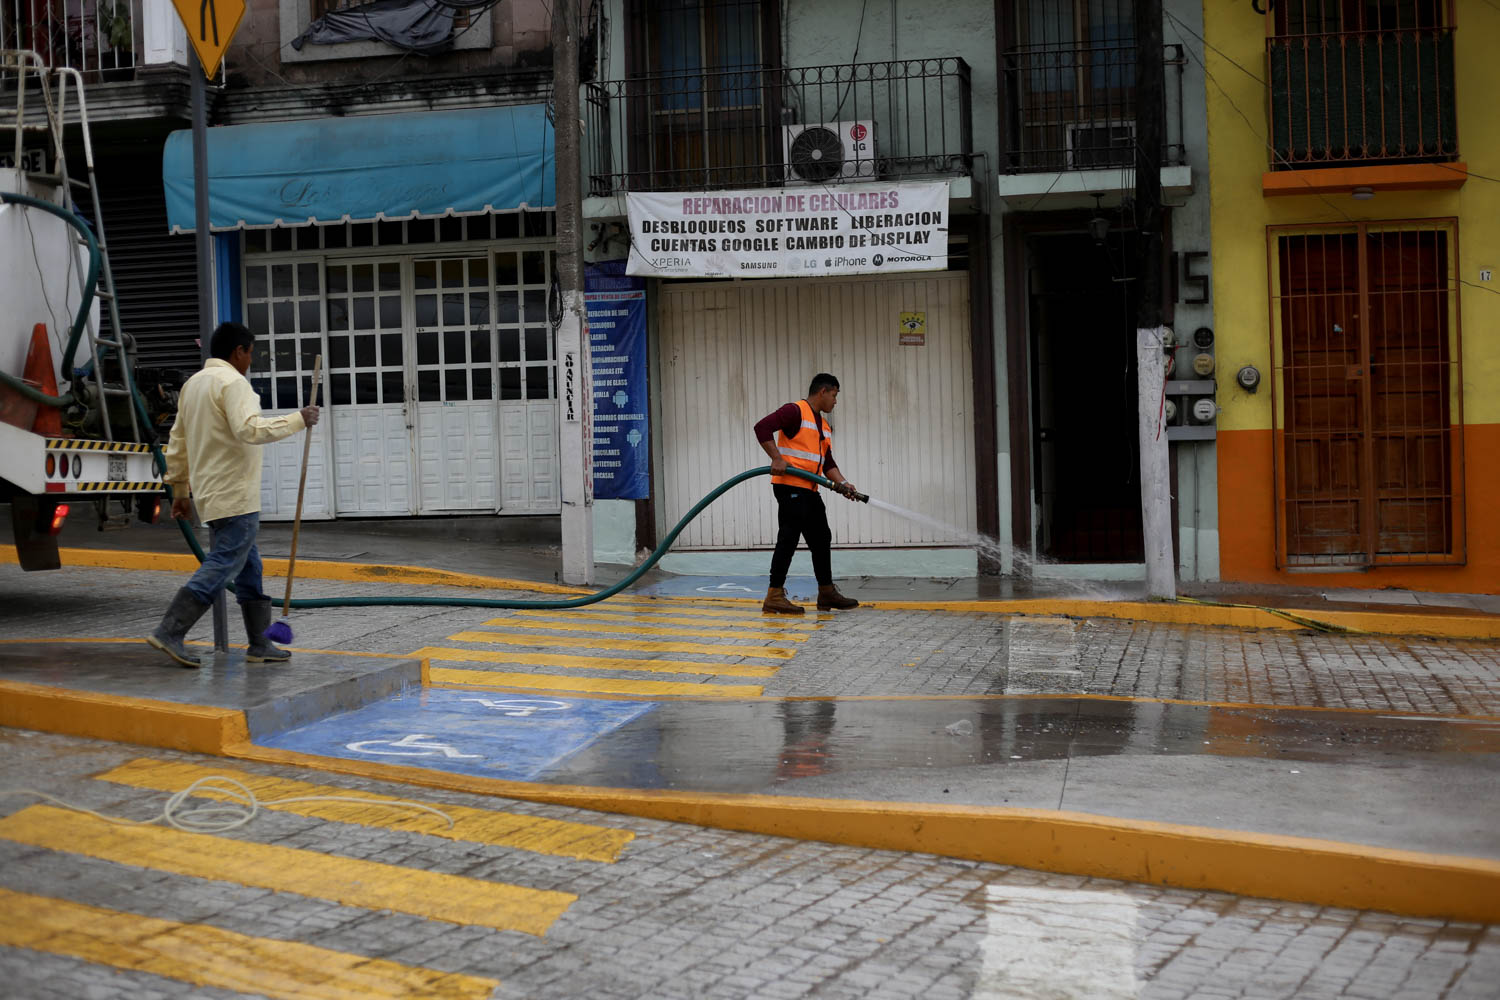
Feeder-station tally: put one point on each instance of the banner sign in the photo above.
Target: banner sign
(790, 232)
(616, 307)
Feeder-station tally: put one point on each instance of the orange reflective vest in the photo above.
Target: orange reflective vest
(806, 450)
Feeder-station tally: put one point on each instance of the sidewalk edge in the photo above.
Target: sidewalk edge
(169, 725)
(1322, 872)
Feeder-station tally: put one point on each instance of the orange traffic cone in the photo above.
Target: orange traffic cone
(38, 372)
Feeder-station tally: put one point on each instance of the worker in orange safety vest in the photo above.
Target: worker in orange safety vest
(797, 436)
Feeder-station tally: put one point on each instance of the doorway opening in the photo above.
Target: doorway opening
(1081, 307)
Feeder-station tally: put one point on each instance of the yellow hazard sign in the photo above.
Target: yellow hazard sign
(210, 25)
(912, 327)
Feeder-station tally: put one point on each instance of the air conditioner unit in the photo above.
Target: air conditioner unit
(820, 152)
(1098, 145)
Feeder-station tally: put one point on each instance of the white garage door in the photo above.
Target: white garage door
(439, 384)
(903, 429)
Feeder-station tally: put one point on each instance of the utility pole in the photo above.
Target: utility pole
(1151, 332)
(204, 251)
(576, 395)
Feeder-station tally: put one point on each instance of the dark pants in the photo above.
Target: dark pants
(800, 514)
(232, 556)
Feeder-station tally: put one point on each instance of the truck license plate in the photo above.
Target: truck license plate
(117, 468)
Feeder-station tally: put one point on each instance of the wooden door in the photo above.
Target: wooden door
(1368, 466)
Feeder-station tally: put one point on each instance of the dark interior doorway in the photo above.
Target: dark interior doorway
(1081, 309)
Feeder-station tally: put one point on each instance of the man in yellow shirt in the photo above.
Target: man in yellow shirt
(214, 451)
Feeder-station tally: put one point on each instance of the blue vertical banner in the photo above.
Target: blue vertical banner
(616, 306)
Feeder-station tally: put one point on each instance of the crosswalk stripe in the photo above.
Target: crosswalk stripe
(605, 625)
(712, 609)
(581, 642)
(352, 882)
(481, 826)
(205, 955)
(523, 659)
(668, 618)
(593, 685)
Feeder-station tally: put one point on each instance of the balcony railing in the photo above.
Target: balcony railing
(1074, 107)
(1361, 97)
(99, 38)
(753, 127)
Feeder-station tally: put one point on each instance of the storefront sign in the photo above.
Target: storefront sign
(617, 342)
(790, 232)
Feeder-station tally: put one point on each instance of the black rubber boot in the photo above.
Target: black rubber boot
(182, 614)
(257, 620)
(829, 599)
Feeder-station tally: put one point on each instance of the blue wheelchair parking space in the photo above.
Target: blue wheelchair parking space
(484, 733)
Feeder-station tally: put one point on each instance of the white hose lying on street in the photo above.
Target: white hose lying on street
(225, 817)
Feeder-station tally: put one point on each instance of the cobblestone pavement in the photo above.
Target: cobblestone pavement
(619, 647)
(673, 911)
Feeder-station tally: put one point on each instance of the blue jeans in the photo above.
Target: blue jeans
(232, 556)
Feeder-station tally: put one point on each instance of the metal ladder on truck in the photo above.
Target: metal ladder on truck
(51, 83)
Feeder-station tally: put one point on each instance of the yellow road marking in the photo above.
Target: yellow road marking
(579, 642)
(596, 685)
(352, 882)
(594, 663)
(481, 826)
(677, 618)
(208, 956)
(605, 625)
(711, 609)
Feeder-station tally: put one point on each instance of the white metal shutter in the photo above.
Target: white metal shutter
(903, 429)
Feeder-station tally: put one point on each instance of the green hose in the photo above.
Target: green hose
(558, 605)
(90, 281)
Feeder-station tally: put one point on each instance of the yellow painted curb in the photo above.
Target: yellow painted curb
(314, 569)
(120, 718)
(1301, 869)
(1375, 622)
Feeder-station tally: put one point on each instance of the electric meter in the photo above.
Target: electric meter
(1204, 409)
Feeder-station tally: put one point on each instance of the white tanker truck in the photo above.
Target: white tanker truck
(73, 428)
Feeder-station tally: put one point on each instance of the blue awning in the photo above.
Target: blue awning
(359, 169)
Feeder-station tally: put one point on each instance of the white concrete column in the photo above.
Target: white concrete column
(1156, 473)
(165, 39)
(576, 403)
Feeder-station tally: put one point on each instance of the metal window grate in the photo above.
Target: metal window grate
(1354, 82)
(1368, 412)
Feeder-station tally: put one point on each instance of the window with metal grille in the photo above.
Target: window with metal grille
(1368, 411)
(1361, 81)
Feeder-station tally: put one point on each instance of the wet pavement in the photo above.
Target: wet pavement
(530, 548)
(1384, 779)
(649, 909)
(974, 709)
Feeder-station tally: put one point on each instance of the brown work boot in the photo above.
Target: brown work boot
(777, 604)
(830, 599)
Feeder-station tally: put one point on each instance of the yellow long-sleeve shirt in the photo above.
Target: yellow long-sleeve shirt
(214, 441)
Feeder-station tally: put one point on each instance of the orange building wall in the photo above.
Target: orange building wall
(1247, 520)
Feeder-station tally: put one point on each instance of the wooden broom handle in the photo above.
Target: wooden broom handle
(291, 563)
